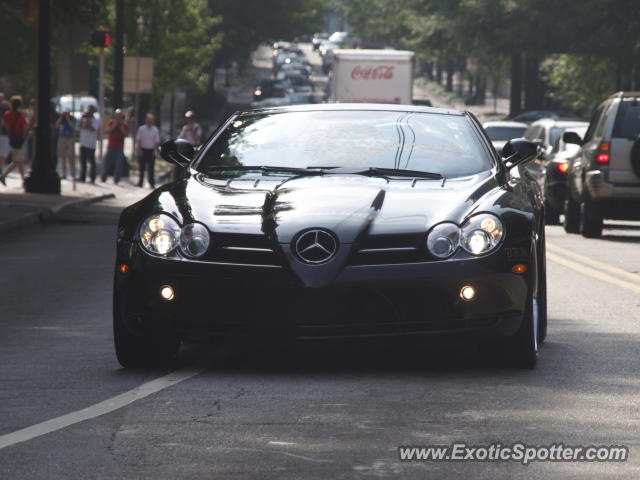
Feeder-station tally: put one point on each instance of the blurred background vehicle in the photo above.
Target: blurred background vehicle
(546, 132)
(318, 38)
(76, 104)
(534, 115)
(344, 40)
(552, 175)
(500, 132)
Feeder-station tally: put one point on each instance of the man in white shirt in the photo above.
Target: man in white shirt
(147, 140)
(89, 126)
(191, 132)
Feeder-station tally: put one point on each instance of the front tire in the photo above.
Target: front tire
(590, 218)
(522, 348)
(137, 351)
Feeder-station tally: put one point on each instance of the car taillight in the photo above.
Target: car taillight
(603, 153)
(562, 167)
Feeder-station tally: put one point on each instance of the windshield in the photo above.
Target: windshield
(500, 134)
(555, 133)
(444, 144)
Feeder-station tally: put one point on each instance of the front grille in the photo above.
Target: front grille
(243, 249)
(389, 249)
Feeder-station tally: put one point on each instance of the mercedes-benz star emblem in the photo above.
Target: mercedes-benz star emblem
(316, 246)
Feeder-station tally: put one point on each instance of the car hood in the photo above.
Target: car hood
(348, 205)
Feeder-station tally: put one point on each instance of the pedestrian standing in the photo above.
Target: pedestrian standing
(66, 142)
(147, 140)
(4, 135)
(191, 132)
(89, 126)
(118, 129)
(16, 126)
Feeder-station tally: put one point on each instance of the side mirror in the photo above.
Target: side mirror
(518, 151)
(571, 137)
(177, 151)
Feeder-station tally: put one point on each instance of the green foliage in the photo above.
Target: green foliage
(17, 40)
(177, 34)
(579, 83)
(247, 23)
(586, 41)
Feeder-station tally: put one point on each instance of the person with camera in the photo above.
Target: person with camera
(15, 123)
(89, 126)
(65, 125)
(114, 160)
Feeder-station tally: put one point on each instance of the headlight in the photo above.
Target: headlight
(481, 233)
(443, 239)
(159, 234)
(194, 240)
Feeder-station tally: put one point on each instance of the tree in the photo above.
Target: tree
(247, 23)
(18, 33)
(177, 34)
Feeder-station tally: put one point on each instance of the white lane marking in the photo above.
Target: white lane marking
(594, 263)
(102, 408)
(287, 454)
(634, 287)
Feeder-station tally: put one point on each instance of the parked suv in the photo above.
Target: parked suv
(604, 178)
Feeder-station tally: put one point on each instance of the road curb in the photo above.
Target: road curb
(80, 202)
(39, 216)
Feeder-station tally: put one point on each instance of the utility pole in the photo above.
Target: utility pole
(101, 38)
(101, 103)
(118, 55)
(43, 178)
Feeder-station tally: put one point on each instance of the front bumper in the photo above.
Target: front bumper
(213, 300)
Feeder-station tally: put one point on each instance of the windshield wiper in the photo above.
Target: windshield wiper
(393, 172)
(263, 168)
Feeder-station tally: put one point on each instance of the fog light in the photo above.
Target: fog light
(519, 269)
(467, 293)
(167, 292)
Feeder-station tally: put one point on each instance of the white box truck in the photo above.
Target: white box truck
(377, 76)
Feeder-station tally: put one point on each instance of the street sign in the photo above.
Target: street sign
(138, 75)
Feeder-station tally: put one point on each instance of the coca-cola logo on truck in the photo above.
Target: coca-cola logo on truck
(382, 72)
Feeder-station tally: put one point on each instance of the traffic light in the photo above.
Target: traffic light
(101, 38)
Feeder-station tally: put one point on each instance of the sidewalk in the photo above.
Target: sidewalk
(491, 110)
(19, 209)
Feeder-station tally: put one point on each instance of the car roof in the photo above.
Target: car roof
(375, 107)
(504, 123)
(578, 130)
(550, 122)
(622, 94)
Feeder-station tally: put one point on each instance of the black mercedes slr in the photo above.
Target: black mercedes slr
(335, 221)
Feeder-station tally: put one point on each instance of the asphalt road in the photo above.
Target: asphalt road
(303, 411)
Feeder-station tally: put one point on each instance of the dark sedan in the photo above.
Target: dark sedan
(335, 221)
(553, 175)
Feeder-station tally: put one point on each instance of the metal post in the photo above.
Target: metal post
(43, 178)
(118, 55)
(101, 104)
